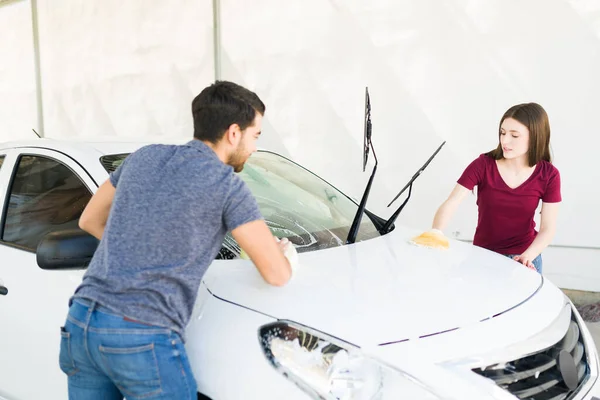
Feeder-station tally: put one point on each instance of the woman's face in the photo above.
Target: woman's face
(514, 138)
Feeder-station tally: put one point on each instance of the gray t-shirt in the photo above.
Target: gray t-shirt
(172, 208)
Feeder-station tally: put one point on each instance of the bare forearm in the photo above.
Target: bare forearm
(443, 215)
(542, 240)
(95, 215)
(94, 228)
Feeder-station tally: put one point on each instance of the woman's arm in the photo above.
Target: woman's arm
(446, 211)
(545, 235)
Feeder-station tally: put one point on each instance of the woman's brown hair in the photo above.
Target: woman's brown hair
(534, 117)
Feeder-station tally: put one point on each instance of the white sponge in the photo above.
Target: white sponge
(289, 251)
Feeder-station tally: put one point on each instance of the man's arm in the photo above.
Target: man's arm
(94, 216)
(258, 242)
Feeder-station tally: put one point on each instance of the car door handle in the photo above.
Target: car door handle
(3, 290)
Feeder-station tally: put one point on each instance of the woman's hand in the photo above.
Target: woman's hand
(526, 260)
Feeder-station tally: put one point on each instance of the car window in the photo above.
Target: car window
(45, 196)
(113, 161)
(298, 205)
(1, 160)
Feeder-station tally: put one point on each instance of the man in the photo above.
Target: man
(161, 218)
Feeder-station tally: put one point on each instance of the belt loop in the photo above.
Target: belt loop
(88, 317)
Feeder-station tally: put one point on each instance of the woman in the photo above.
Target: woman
(511, 180)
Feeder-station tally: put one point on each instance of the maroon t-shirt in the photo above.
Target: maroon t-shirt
(505, 223)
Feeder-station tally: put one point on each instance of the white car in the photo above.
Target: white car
(375, 319)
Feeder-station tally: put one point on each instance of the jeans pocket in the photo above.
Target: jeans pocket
(133, 369)
(65, 358)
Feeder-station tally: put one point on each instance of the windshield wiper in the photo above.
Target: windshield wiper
(366, 145)
(387, 227)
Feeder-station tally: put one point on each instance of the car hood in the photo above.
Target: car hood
(383, 290)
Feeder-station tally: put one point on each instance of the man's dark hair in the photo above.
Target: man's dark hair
(219, 106)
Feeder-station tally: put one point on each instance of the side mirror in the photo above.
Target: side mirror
(68, 249)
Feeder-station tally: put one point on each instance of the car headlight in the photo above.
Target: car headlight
(328, 368)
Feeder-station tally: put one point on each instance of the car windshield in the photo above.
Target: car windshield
(295, 203)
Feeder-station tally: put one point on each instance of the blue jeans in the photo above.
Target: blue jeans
(537, 262)
(107, 357)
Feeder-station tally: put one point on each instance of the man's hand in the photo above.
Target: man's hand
(286, 247)
(255, 238)
(289, 251)
(526, 260)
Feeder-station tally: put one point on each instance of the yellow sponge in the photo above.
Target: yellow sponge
(434, 239)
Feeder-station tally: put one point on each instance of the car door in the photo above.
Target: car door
(43, 191)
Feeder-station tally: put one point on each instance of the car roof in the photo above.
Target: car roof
(103, 146)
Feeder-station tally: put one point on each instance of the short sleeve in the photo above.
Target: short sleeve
(240, 206)
(552, 193)
(473, 174)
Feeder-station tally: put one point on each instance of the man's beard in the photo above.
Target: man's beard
(237, 159)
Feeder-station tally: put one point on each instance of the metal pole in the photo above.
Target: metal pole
(217, 38)
(38, 72)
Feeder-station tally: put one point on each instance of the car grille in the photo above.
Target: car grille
(538, 376)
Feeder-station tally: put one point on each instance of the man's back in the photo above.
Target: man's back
(171, 210)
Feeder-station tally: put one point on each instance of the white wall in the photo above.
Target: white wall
(437, 70)
(18, 111)
(123, 68)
